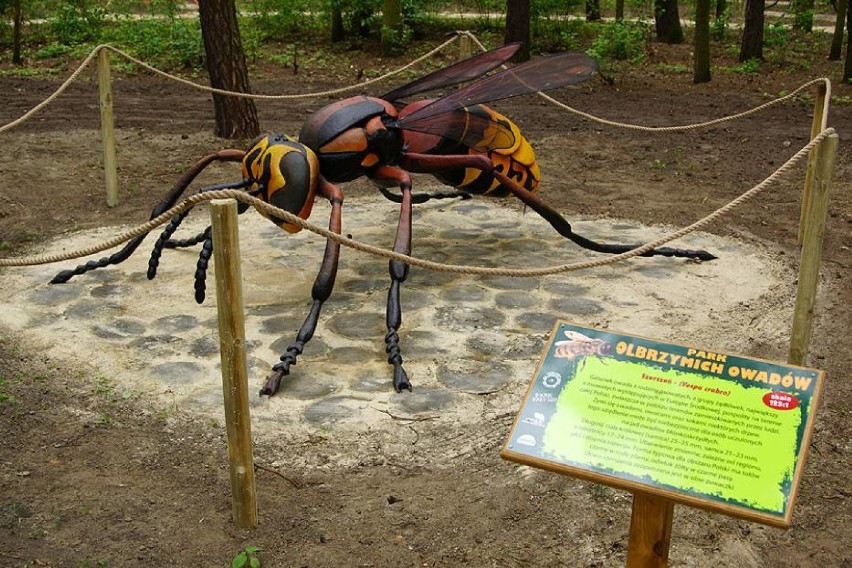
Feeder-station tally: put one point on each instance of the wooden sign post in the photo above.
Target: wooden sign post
(670, 423)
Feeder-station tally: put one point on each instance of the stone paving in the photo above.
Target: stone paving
(470, 343)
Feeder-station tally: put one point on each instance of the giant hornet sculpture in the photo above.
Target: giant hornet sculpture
(458, 139)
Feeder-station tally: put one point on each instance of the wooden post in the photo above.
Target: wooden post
(650, 531)
(232, 345)
(816, 211)
(465, 46)
(818, 125)
(107, 128)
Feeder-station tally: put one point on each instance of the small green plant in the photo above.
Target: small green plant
(673, 68)
(77, 22)
(103, 386)
(621, 41)
(246, 557)
(51, 51)
(804, 20)
(776, 35)
(748, 67)
(5, 397)
(719, 27)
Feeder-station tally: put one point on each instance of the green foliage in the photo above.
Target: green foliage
(803, 20)
(282, 20)
(164, 38)
(674, 69)
(394, 41)
(52, 50)
(720, 24)
(247, 557)
(775, 35)
(621, 41)
(749, 67)
(77, 21)
(5, 398)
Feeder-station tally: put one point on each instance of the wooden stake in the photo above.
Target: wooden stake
(818, 125)
(107, 128)
(232, 345)
(815, 211)
(650, 531)
(465, 46)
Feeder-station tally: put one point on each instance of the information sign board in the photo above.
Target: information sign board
(718, 431)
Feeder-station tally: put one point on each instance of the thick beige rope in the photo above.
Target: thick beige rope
(706, 124)
(62, 88)
(281, 97)
(268, 209)
(53, 96)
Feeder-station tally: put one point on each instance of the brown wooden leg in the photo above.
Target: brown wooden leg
(650, 531)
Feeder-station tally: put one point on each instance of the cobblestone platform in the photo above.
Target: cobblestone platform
(463, 337)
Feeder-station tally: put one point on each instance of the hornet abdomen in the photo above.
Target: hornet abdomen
(517, 161)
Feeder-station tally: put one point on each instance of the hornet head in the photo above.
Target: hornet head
(284, 173)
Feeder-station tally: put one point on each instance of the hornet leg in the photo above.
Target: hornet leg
(425, 163)
(168, 202)
(398, 270)
(323, 285)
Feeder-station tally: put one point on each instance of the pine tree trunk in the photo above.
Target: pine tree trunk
(667, 21)
(593, 10)
(752, 41)
(839, 23)
(847, 67)
(701, 66)
(518, 27)
(236, 117)
(337, 33)
(16, 32)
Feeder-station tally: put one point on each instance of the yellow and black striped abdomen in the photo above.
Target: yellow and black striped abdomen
(517, 162)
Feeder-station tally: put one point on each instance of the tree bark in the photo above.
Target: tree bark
(752, 40)
(847, 67)
(593, 10)
(721, 6)
(667, 21)
(337, 33)
(518, 27)
(16, 32)
(236, 117)
(619, 10)
(839, 23)
(701, 62)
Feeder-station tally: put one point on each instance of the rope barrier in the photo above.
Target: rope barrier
(280, 97)
(273, 211)
(26, 116)
(276, 212)
(680, 128)
(546, 97)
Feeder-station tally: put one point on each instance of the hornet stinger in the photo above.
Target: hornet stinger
(456, 138)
